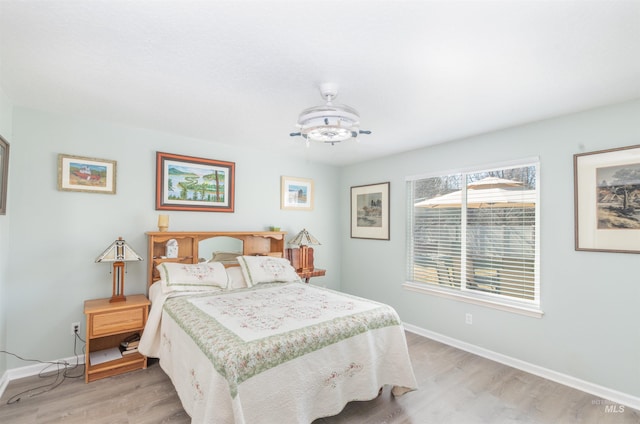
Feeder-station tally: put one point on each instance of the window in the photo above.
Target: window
(475, 236)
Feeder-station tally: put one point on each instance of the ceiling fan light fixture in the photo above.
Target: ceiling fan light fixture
(329, 123)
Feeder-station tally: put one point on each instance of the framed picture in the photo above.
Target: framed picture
(607, 200)
(370, 211)
(296, 193)
(187, 183)
(77, 173)
(4, 174)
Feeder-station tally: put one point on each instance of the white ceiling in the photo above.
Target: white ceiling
(239, 72)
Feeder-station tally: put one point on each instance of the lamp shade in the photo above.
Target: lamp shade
(119, 251)
(304, 239)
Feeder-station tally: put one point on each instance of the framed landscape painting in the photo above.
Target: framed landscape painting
(370, 211)
(607, 200)
(187, 183)
(296, 193)
(77, 173)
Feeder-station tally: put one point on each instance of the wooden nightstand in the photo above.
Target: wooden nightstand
(108, 324)
(316, 272)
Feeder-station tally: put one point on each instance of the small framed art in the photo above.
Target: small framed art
(607, 200)
(187, 183)
(77, 173)
(296, 193)
(4, 174)
(370, 211)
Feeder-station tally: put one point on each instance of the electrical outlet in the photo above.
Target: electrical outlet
(468, 318)
(75, 328)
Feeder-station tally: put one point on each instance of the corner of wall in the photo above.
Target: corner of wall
(6, 128)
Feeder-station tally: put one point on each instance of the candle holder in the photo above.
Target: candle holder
(163, 222)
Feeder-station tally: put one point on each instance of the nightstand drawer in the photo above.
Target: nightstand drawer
(117, 322)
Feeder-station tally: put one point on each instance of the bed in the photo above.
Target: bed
(254, 344)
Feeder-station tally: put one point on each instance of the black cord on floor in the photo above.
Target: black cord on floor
(63, 371)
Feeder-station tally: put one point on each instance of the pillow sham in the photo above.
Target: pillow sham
(236, 278)
(224, 256)
(266, 269)
(193, 277)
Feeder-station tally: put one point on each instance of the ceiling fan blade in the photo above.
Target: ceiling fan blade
(295, 134)
(365, 132)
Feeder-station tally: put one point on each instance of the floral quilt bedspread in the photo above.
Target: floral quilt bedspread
(275, 353)
(246, 332)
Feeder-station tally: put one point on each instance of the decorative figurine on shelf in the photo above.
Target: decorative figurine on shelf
(172, 248)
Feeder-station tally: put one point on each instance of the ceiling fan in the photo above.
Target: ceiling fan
(329, 123)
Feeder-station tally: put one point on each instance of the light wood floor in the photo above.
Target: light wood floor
(455, 387)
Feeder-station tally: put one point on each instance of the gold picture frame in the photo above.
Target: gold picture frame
(78, 173)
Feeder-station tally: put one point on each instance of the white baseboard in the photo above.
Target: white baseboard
(567, 380)
(29, 370)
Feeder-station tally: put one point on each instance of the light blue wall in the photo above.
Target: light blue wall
(55, 236)
(591, 300)
(6, 115)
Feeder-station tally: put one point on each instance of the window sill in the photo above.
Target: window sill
(476, 299)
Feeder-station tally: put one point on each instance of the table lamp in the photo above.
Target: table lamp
(304, 240)
(119, 252)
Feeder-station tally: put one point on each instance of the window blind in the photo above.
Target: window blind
(476, 232)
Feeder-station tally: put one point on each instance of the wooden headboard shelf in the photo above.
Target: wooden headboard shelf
(271, 243)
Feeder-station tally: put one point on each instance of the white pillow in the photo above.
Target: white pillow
(236, 278)
(266, 269)
(224, 257)
(193, 277)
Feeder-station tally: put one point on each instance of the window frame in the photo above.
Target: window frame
(462, 293)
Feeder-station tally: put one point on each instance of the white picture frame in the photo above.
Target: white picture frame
(296, 193)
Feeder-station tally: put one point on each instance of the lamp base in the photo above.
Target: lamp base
(118, 298)
(118, 283)
(301, 258)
